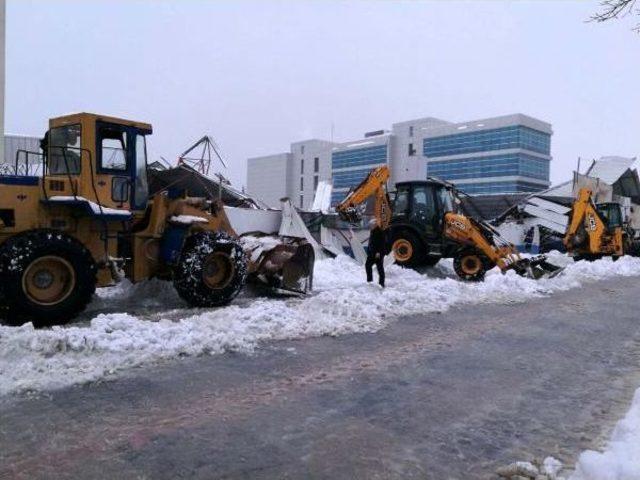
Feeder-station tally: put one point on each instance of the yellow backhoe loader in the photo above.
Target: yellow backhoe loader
(87, 219)
(423, 225)
(597, 230)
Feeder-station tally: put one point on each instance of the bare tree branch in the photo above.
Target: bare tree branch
(613, 9)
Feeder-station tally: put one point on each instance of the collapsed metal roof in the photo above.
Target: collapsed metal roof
(488, 207)
(184, 178)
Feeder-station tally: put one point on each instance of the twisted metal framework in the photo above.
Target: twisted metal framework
(209, 152)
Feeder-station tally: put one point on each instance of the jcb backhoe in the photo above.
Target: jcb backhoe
(424, 225)
(597, 230)
(87, 220)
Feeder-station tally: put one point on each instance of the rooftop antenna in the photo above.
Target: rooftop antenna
(203, 164)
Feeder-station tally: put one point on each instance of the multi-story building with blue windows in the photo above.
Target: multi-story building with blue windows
(509, 154)
(352, 162)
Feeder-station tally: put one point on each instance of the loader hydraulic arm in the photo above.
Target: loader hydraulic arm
(375, 185)
(582, 204)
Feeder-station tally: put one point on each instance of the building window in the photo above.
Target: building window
(302, 167)
(315, 182)
(411, 131)
(301, 201)
(411, 151)
(302, 149)
(301, 183)
(316, 164)
(515, 136)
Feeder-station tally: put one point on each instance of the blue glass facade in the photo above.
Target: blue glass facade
(499, 187)
(354, 157)
(516, 136)
(480, 154)
(345, 176)
(492, 166)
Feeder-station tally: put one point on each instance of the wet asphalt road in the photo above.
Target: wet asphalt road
(431, 397)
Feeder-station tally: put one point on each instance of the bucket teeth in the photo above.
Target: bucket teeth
(537, 267)
(284, 268)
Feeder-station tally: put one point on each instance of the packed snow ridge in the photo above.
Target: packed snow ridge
(132, 325)
(621, 459)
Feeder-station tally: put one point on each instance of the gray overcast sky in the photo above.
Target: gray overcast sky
(259, 75)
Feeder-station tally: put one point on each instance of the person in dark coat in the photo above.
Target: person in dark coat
(376, 252)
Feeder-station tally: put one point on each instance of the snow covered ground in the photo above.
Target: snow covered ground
(133, 325)
(621, 458)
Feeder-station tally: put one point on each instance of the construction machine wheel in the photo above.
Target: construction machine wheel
(212, 270)
(48, 277)
(470, 265)
(407, 249)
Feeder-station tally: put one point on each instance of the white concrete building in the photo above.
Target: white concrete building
(507, 154)
(293, 174)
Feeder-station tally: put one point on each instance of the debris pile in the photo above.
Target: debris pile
(547, 469)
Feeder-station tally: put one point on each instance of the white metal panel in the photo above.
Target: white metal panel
(244, 220)
(552, 220)
(547, 205)
(610, 169)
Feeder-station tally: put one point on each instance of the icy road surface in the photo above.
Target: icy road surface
(128, 326)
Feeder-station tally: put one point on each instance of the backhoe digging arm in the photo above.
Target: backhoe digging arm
(375, 185)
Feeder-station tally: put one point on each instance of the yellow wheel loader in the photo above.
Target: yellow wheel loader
(597, 230)
(423, 225)
(86, 220)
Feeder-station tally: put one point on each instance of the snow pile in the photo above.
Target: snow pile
(187, 219)
(158, 326)
(621, 458)
(547, 469)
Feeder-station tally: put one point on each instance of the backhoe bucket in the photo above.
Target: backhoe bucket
(284, 265)
(536, 267)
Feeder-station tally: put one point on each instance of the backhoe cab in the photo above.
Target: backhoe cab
(87, 220)
(426, 225)
(597, 230)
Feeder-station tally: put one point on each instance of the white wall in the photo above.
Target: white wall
(308, 151)
(267, 178)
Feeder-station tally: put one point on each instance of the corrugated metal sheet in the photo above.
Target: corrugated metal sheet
(610, 169)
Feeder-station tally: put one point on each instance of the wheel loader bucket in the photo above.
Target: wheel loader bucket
(536, 267)
(284, 265)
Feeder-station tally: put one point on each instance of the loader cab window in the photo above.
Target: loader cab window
(401, 202)
(141, 185)
(446, 200)
(611, 214)
(62, 145)
(423, 210)
(113, 149)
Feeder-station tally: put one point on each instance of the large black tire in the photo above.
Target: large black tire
(47, 277)
(471, 265)
(407, 249)
(212, 270)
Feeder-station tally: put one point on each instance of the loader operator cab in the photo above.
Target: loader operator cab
(417, 223)
(611, 215)
(423, 205)
(97, 159)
